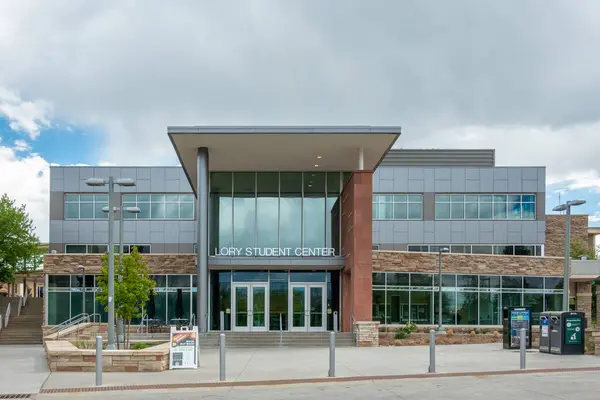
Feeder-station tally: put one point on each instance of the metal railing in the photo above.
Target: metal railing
(1, 324)
(25, 295)
(7, 315)
(355, 331)
(19, 306)
(76, 320)
(193, 321)
(141, 327)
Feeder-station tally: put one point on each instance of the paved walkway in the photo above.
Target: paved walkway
(23, 369)
(284, 364)
(564, 386)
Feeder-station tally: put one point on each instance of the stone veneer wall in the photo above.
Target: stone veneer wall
(158, 263)
(367, 333)
(64, 356)
(466, 263)
(555, 233)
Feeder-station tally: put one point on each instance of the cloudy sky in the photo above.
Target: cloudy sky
(88, 82)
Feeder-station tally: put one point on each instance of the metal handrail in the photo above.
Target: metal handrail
(7, 315)
(71, 322)
(1, 325)
(355, 331)
(140, 328)
(19, 306)
(193, 320)
(25, 295)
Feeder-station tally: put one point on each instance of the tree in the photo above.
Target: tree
(580, 249)
(131, 292)
(18, 242)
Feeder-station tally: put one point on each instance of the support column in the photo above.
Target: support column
(202, 192)
(361, 159)
(597, 308)
(357, 246)
(584, 298)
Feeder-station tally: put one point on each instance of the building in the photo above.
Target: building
(295, 225)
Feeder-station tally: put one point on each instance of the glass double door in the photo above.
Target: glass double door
(307, 307)
(250, 307)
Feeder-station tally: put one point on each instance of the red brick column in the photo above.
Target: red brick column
(357, 248)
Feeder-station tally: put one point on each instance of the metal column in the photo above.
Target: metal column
(202, 192)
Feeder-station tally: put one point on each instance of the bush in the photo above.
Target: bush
(140, 346)
(401, 334)
(406, 330)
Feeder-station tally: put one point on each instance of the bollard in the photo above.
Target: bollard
(98, 360)
(432, 351)
(335, 321)
(222, 321)
(331, 354)
(523, 346)
(222, 357)
(280, 330)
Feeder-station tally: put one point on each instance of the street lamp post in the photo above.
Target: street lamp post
(111, 250)
(440, 327)
(567, 207)
(131, 210)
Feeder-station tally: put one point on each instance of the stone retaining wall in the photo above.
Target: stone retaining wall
(63, 356)
(367, 333)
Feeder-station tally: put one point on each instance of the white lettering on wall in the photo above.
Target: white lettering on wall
(275, 252)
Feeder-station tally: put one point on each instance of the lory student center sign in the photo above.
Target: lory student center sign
(275, 252)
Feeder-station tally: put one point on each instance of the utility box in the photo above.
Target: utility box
(513, 320)
(566, 330)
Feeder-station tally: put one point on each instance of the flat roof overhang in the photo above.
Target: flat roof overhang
(281, 148)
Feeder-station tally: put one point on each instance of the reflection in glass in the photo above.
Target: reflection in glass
(221, 210)
(278, 300)
(298, 307)
(316, 307)
(241, 306)
(511, 300)
(244, 209)
(448, 308)
(379, 306)
(489, 308)
(466, 308)
(314, 209)
(536, 302)
(290, 208)
(397, 307)
(421, 307)
(267, 209)
(258, 306)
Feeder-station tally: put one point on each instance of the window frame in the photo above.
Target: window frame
(94, 201)
(125, 246)
(449, 199)
(153, 198)
(376, 202)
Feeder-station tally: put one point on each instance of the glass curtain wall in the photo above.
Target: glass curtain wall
(262, 210)
(466, 299)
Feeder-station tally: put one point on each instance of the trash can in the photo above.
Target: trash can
(545, 332)
(567, 332)
(513, 320)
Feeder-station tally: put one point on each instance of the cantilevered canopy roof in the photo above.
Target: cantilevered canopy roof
(282, 148)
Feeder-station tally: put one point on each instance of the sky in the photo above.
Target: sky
(88, 82)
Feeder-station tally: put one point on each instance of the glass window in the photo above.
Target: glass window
(85, 206)
(536, 302)
(250, 276)
(448, 308)
(221, 210)
(314, 210)
(421, 307)
(56, 281)
(489, 308)
(442, 210)
(421, 279)
(244, 209)
(312, 276)
(553, 302)
(448, 280)
(467, 306)
(58, 307)
(504, 250)
(525, 250)
(178, 281)
(553, 283)
(512, 282)
(398, 206)
(489, 281)
(278, 300)
(418, 248)
(479, 249)
(511, 300)
(290, 209)
(378, 278)
(379, 306)
(398, 279)
(466, 281)
(159, 206)
(397, 307)
(533, 282)
(75, 248)
(267, 209)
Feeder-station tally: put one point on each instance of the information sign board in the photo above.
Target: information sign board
(184, 348)
(573, 330)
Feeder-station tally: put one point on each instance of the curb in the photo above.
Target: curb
(312, 380)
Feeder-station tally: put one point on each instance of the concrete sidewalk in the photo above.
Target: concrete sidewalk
(23, 369)
(310, 363)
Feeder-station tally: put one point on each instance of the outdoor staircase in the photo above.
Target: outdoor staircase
(25, 328)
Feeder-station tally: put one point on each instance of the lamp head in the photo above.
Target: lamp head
(132, 210)
(444, 250)
(95, 182)
(562, 207)
(575, 202)
(125, 182)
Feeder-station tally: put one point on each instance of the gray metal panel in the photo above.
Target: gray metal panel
(416, 186)
(171, 248)
(70, 236)
(56, 185)
(142, 232)
(443, 173)
(171, 173)
(187, 237)
(500, 173)
(401, 184)
(157, 179)
(172, 185)
(157, 226)
(429, 179)
(472, 186)
(400, 237)
(471, 232)
(530, 185)
(186, 248)
(71, 180)
(500, 186)
(443, 186)
(472, 173)
(457, 229)
(386, 185)
(56, 172)
(500, 232)
(542, 180)
(428, 206)
(56, 232)
(401, 226)
(486, 180)
(101, 172)
(158, 248)
(540, 206)
(416, 173)
(515, 181)
(529, 232)
(530, 173)
(415, 232)
(57, 206)
(486, 237)
(86, 232)
(386, 173)
(434, 157)
(386, 231)
(458, 180)
(143, 185)
(158, 237)
(143, 173)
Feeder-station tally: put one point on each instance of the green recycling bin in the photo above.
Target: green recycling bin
(566, 332)
(513, 320)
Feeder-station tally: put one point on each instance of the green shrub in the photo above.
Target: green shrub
(401, 334)
(140, 346)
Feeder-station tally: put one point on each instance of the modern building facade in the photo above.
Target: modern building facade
(289, 227)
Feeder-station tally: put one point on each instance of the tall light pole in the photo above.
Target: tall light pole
(131, 210)
(567, 207)
(440, 327)
(111, 250)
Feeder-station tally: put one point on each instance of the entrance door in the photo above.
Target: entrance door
(307, 308)
(250, 305)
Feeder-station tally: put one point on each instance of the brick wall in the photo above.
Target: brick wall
(466, 263)
(555, 233)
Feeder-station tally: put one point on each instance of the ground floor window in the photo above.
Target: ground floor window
(466, 299)
(249, 300)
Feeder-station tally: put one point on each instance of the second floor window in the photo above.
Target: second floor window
(85, 206)
(160, 206)
(398, 206)
(484, 206)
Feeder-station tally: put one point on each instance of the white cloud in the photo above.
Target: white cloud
(26, 116)
(21, 145)
(28, 183)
